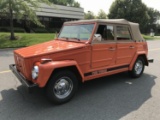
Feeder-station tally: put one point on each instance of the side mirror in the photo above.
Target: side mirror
(97, 37)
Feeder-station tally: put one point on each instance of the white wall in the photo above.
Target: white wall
(60, 11)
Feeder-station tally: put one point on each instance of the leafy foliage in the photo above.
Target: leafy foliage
(132, 10)
(76, 4)
(154, 16)
(20, 9)
(102, 15)
(72, 3)
(89, 15)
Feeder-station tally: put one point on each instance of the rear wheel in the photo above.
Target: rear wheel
(138, 68)
(62, 87)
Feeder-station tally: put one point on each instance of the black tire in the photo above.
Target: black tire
(59, 83)
(138, 68)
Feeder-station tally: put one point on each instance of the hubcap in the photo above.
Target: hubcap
(138, 67)
(63, 87)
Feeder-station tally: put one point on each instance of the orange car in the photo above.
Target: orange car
(83, 50)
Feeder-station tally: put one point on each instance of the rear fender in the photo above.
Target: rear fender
(46, 70)
(143, 53)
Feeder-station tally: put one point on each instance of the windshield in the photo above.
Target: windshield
(79, 32)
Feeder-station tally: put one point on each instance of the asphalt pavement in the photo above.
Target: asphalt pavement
(109, 98)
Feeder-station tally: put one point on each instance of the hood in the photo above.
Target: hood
(48, 47)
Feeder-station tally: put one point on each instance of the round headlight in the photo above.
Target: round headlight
(35, 72)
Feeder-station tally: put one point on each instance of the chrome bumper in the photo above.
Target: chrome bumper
(30, 86)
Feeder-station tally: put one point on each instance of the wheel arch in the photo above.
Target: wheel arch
(143, 55)
(48, 69)
(144, 58)
(72, 68)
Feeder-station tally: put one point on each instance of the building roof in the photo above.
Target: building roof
(60, 11)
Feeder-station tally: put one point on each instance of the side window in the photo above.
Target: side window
(123, 33)
(106, 32)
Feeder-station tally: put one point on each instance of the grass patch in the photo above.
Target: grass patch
(147, 37)
(24, 39)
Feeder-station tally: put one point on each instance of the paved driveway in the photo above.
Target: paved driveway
(109, 98)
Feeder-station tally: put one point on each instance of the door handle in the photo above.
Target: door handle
(131, 47)
(112, 49)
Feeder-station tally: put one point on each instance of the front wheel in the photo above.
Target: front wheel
(138, 68)
(62, 87)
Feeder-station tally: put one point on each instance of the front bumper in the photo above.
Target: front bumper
(29, 85)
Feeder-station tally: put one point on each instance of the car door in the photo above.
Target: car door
(103, 51)
(126, 46)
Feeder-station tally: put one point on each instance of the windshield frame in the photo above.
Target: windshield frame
(75, 40)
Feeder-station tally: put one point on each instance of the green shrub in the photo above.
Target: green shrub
(4, 29)
(19, 30)
(8, 29)
(53, 30)
(39, 30)
(157, 34)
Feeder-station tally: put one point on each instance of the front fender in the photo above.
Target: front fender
(45, 70)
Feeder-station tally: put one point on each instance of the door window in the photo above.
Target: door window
(106, 32)
(123, 33)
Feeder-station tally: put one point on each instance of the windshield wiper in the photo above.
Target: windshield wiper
(75, 38)
(71, 38)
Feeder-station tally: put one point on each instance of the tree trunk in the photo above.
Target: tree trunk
(12, 37)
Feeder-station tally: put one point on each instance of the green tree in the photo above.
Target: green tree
(62, 2)
(132, 10)
(72, 3)
(89, 15)
(102, 15)
(20, 9)
(154, 16)
(76, 4)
